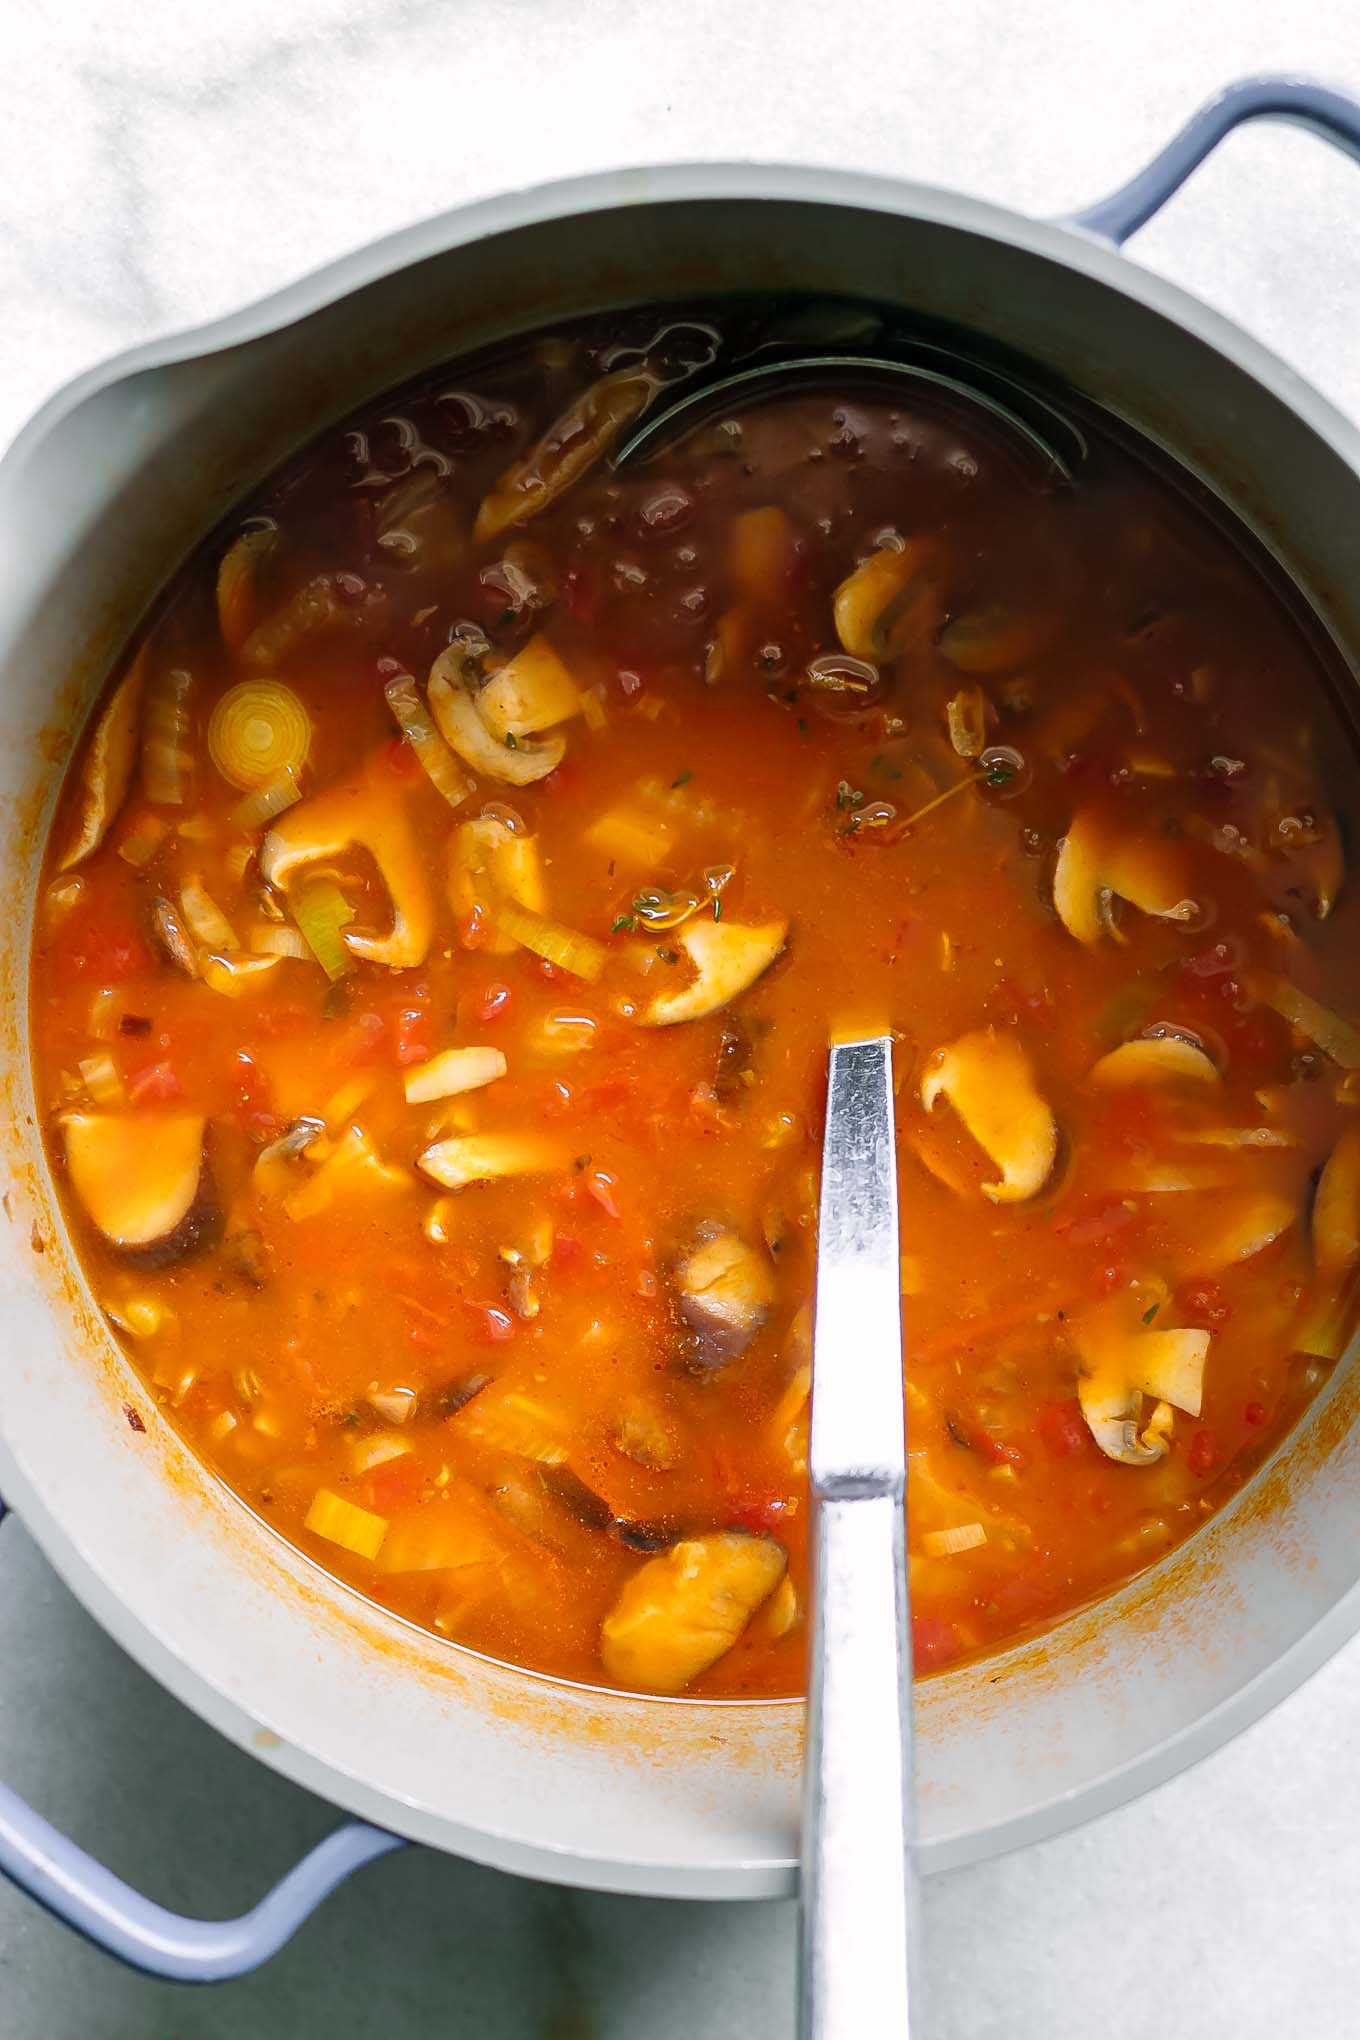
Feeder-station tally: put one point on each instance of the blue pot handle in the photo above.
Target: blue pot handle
(1329, 114)
(81, 1892)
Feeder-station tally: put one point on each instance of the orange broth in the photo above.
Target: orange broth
(517, 1411)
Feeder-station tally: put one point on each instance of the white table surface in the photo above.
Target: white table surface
(163, 161)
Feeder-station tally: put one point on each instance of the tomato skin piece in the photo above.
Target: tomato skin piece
(489, 1324)
(1203, 1455)
(105, 946)
(395, 1484)
(1062, 1428)
(933, 1642)
(154, 1084)
(493, 1003)
(1255, 1414)
(1202, 1304)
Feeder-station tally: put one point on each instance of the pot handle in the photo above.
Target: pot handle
(1330, 114)
(85, 1895)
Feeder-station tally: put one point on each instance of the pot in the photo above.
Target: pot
(99, 498)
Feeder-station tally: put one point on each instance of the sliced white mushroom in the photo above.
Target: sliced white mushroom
(106, 768)
(1156, 1059)
(239, 574)
(454, 707)
(988, 1080)
(370, 812)
(1253, 1222)
(141, 1177)
(1098, 865)
(684, 1609)
(490, 862)
(1336, 1210)
(724, 1292)
(889, 605)
(531, 692)
(728, 957)
(1169, 1366)
(453, 1072)
(995, 639)
(482, 1157)
(1113, 1412)
(353, 1170)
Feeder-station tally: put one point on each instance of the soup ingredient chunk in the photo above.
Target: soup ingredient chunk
(724, 1291)
(728, 957)
(141, 1176)
(684, 1609)
(988, 1080)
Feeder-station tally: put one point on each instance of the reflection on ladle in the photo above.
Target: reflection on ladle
(858, 1972)
(777, 378)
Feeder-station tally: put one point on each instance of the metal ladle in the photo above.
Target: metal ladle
(859, 1971)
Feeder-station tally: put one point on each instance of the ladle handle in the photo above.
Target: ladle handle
(859, 1936)
(858, 1945)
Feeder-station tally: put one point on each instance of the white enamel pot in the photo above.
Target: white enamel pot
(100, 497)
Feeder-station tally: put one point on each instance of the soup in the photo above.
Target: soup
(448, 909)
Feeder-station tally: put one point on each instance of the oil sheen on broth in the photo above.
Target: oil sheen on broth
(444, 920)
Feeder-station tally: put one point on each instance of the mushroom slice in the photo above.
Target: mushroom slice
(724, 1293)
(482, 1157)
(516, 762)
(988, 1080)
(106, 768)
(1254, 1222)
(1336, 1210)
(995, 639)
(531, 692)
(888, 605)
(490, 862)
(1169, 1366)
(369, 813)
(568, 449)
(353, 1170)
(728, 957)
(1113, 1412)
(1096, 865)
(141, 1177)
(1156, 1059)
(684, 1609)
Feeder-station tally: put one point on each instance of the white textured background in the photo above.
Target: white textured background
(164, 160)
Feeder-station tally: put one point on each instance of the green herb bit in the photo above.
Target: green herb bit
(669, 955)
(682, 779)
(717, 908)
(848, 796)
(623, 924)
(1150, 1314)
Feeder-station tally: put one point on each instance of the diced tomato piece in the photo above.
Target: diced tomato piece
(472, 928)
(566, 776)
(254, 1101)
(1062, 1428)
(154, 1084)
(395, 1484)
(581, 592)
(1203, 1455)
(608, 1096)
(402, 760)
(567, 1250)
(413, 1029)
(1203, 1304)
(103, 947)
(995, 1449)
(601, 1187)
(493, 1003)
(933, 1642)
(1097, 1222)
(1255, 1414)
(359, 1040)
(759, 1514)
(1015, 1000)
(489, 1324)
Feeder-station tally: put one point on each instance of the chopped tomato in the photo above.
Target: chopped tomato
(154, 1084)
(933, 1642)
(101, 947)
(488, 1323)
(493, 1003)
(1062, 1428)
(1203, 1455)
(395, 1484)
(1203, 1304)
